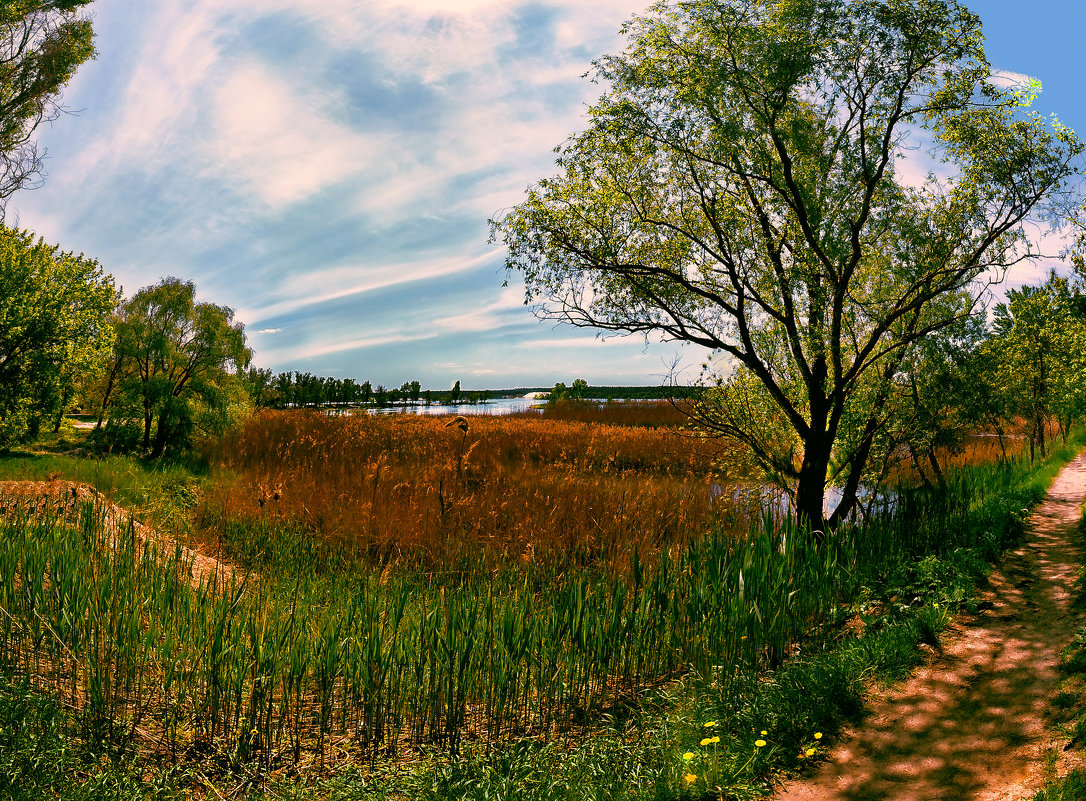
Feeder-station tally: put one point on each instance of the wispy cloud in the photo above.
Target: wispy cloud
(279, 141)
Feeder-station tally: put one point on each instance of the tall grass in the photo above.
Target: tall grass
(414, 490)
(347, 659)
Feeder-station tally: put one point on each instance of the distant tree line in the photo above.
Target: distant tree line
(297, 390)
(582, 390)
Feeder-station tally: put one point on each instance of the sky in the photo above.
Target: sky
(326, 168)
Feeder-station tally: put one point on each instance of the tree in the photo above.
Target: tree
(180, 363)
(261, 388)
(738, 188)
(454, 393)
(54, 327)
(578, 390)
(1040, 346)
(42, 44)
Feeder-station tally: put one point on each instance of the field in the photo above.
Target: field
(418, 491)
(411, 593)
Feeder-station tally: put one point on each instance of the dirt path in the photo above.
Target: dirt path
(970, 726)
(66, 499)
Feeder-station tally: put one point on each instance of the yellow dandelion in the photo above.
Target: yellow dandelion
(759, 743)
(689, 778)
(810, 752)
(710, 740)
(764, 732)
(709, 724)
(688, 756)
(818, 735)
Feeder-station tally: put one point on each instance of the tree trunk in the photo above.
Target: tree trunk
(811, 488)
(161, 436)
(934, 462)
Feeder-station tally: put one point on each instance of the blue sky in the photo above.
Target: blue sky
(327, 169)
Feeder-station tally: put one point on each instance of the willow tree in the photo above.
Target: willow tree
(739, 187)
(177, 367)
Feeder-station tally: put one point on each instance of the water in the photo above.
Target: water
(777, 503)
(499, 406)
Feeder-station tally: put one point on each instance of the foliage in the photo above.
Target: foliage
(54, 327)
(1039, 344)
(42, 44)
(176, 364)
(576, 392)
(737, 188)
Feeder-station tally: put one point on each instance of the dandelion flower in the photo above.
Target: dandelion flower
(689, 778)
(818, 735)
(710, 740)
(759, 743)
(810, 752)
(709, 724)
(688, 756)
(764, 732)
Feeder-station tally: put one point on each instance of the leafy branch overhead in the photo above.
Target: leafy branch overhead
(740, 186)
(42, 44)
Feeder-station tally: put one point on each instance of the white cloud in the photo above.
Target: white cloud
(279, 140)
(326, 347)
(268, 331)
(1007, 79)
(302, 290)
(487, 318)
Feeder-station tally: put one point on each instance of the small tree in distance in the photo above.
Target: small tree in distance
(178, 363)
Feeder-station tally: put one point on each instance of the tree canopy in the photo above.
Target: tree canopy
(744, 185)
(177, 368)
(54, 326)
(1040, 343)
(42, 44)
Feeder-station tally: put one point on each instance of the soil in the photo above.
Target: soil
(973, 724)
(66, 499)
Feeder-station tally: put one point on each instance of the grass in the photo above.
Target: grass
(337, 674)
(419, 493)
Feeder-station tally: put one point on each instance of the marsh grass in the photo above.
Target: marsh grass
(413, 491)
(490, 663)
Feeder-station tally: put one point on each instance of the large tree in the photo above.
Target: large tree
(54, 327)
(178, 364)
(42, 44)
(740, 187)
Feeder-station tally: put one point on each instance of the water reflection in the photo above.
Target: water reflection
(776, 502)
(498, 406)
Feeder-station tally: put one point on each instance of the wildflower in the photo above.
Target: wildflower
(689, 778)
(818, 735)
(688, 756)
(810, 752)
(710, 740)
(759, 743)
(764, 732)
(709, 724)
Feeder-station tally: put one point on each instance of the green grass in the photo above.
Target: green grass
(470, 683)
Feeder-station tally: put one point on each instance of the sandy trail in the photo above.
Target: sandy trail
(971, 725)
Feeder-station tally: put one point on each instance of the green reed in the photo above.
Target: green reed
(320, 655)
